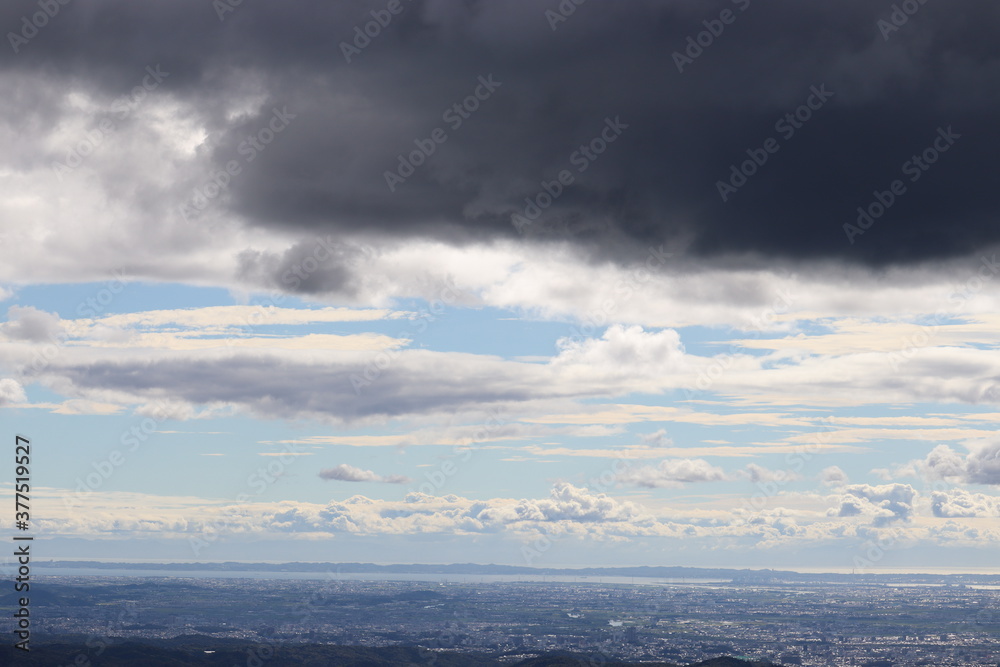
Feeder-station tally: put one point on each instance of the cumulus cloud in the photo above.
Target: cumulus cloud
(943, 462)
(672, 473)
(348, 473)
(832, 476)
(622, 356)
(568, 509)
(961, 503)
(567, 512)
(570, 503)
(882, 504)
(957, 534)
(980, 465)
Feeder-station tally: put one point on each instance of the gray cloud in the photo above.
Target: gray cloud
(832, 476)
(658, 438)
(884, 504)
(981, 465)
(350, 386)
(273, 387)
(348, 473)
(656, 183)
(30, 324)
(761, 475)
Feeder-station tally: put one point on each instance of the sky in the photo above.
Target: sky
(536, 283)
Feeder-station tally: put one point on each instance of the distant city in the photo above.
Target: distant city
(768, 616)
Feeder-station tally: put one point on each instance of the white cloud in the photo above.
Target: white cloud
(958, 534)
(227, 317)
(348, 473)
(961, 503)
(568, 511)
(78, 406)
(980, 465)
(622, 352)
(11, 391)
(672, 473)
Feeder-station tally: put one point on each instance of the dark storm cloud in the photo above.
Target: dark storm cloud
(678, 132)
